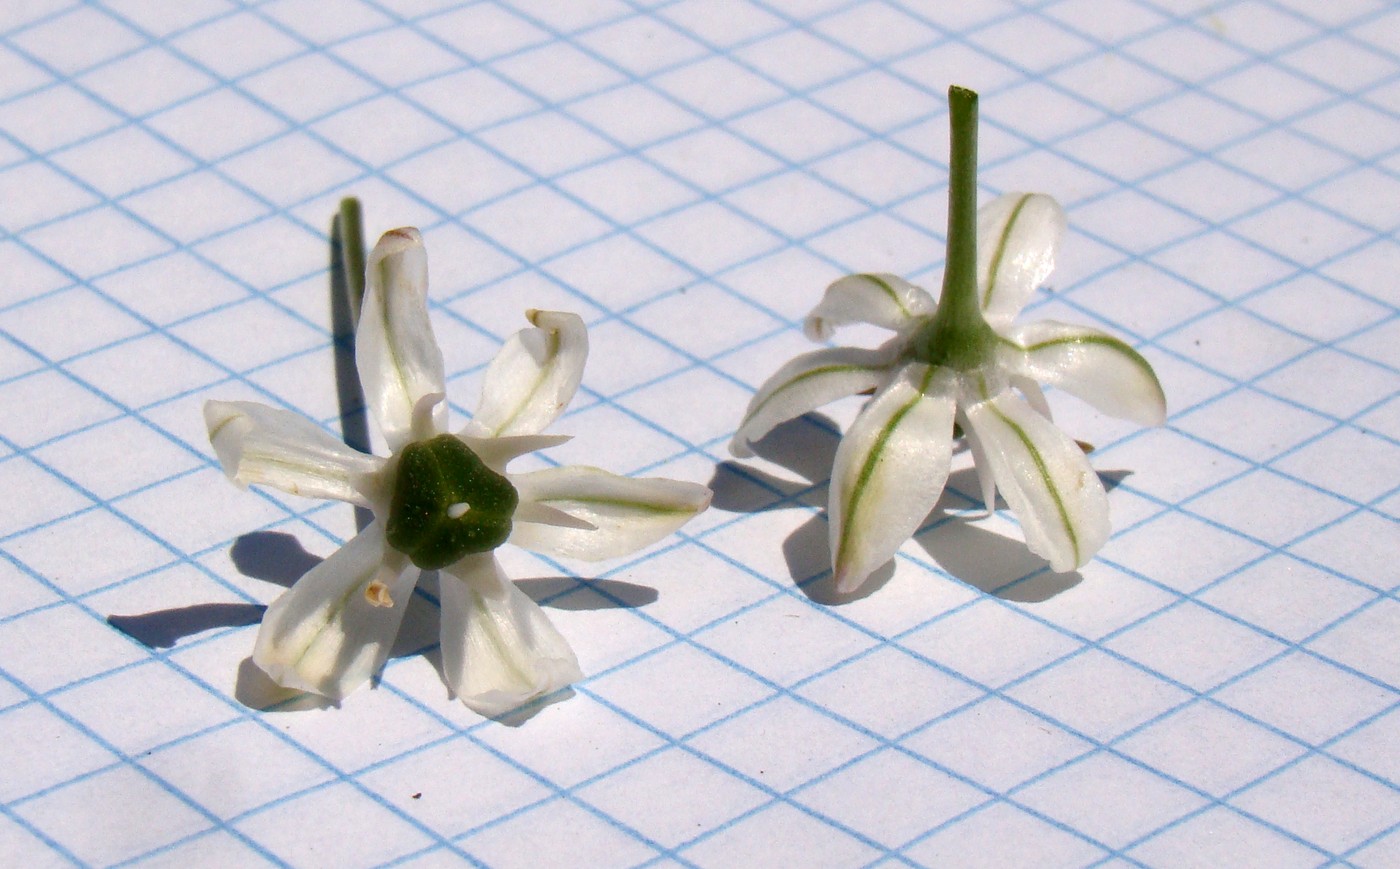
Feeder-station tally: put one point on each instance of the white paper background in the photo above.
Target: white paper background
(1218, 687)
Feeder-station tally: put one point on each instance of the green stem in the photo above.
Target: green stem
(347, 295)
(958, 336)
(352, 241)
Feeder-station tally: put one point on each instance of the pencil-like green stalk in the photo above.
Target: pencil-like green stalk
(352, 252)
(958, 335)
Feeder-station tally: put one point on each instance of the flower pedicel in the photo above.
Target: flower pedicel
(960, 360)
(442, 501)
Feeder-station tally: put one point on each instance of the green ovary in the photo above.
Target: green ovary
(447, 504)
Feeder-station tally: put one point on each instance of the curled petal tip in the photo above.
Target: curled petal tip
(739, 448)
(397, 239)
(395, 351)
(817, 329)
(847, 582)
(278, 448)
(533, 377)
(1157, 414)
(883, 300)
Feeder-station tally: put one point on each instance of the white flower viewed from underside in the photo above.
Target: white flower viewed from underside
(442, 501)
(961, 360)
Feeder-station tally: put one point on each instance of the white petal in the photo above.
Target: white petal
(1033, 394)
(1017, 237)
(985, 478)
(808, 382)
(889, 471)
(499, 649)
(1045, 478)
(396, 353)
(324, 634)
(881, 300)
(534, 377)
(498, 452)
(543, 514)
(627, 513)
(1090, 365)
(260, 444)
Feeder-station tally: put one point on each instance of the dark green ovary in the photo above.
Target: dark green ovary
(426, 520)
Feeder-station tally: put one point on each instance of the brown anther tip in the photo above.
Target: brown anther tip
(377, 593)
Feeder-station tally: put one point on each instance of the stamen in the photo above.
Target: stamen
(458, 510)
(377, 593)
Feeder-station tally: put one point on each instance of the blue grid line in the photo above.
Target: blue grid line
(1086, 645)
(1030, 709)
(1078, 132)
(164, 656)
(1189, 701)
(130, 763)
(585, 782)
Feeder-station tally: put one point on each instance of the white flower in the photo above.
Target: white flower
(961, 360)
(442, 501)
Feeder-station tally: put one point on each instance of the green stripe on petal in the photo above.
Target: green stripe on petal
(1046, 481)
(806, 383)
(533, 378)
(619, 515)
(1044, 477)
(889, 471)
(273, 447)
(1091, 365)
(998, 253)
(499, 649)
(882, 300)
(1017, 237)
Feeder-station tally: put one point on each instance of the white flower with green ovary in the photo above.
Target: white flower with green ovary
(961, 360)
(442, 501)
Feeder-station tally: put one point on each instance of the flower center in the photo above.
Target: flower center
(447, 504)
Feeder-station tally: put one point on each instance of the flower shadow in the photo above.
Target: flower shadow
(279, 558)
(990, 562)
(418, 637)
(162, 629)
(994, 564)
(1113, 479)
(267, 555)
(806, 446)
(272, 556)
(554, 592)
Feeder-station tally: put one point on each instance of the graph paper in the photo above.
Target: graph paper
(1218, 687)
